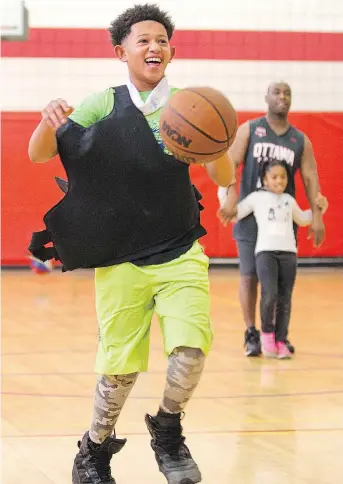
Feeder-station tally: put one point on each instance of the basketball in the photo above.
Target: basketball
(198, 124)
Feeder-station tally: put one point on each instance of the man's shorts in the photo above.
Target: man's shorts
(246, 253)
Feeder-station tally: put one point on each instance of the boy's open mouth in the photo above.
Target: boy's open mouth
(153, 61)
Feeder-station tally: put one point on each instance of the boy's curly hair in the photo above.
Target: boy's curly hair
(120, 27)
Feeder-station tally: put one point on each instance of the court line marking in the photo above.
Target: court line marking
(195, 397)
(260, 369)
(190, 432)
(214, 350)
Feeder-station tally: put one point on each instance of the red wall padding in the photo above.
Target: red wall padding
(190, 44)
(29, 190)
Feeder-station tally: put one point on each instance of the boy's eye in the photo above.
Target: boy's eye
(141, 41)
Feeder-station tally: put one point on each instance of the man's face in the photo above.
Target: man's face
(278, 98)
(147, 52)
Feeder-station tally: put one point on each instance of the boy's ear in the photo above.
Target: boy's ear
(172, 53)
(120, 52)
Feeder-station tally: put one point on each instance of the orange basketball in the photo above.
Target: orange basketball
(198, 124)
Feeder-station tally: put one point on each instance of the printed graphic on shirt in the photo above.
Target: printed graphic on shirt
(267, 151)
(278, 218)
(263, 152)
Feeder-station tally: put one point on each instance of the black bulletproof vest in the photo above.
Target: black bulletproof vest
(124, 193)
(264, 145)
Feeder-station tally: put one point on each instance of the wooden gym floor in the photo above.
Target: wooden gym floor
(251, 421)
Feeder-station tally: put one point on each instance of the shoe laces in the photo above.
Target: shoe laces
(252, 336)
(101, 461)
(172, 441)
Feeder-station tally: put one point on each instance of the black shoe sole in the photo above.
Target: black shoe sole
(253, 354)
(76, 477)
(185, 480)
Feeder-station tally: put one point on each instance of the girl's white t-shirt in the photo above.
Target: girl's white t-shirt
(274, 215)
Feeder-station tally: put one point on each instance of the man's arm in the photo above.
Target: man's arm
(310, 179)
(238, 149)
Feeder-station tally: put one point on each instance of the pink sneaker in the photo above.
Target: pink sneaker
(268, 344)
(283, 352)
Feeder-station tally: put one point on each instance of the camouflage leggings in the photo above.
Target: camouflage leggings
(184, 371)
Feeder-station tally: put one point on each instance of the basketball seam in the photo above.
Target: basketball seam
(193, 152)
(196, 128)
(217, 111)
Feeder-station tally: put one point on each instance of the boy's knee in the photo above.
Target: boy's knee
(189, 356)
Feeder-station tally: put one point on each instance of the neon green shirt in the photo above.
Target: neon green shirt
(99, 105)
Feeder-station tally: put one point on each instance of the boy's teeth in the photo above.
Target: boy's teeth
(153, 59)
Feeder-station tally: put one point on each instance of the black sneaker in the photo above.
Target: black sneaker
(252, 343)
(290, 346)
(92, 462)
(172, 455)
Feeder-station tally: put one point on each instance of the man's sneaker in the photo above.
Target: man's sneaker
(172, 455)
(92, 462)
(252, 342)
(290, 346)
(283, 352)
(269, 348)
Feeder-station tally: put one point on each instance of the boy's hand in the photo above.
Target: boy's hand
(56, 112)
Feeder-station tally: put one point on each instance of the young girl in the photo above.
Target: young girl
(275, 251)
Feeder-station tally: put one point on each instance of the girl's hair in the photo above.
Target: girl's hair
(121, 27)
(267, 165)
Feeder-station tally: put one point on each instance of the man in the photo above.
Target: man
(257, 141)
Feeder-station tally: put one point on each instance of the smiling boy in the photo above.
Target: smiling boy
(132, 213)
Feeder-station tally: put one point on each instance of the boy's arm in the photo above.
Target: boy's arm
(223, 170)
(43, 144)
(237, 153)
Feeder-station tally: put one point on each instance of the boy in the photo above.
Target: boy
(132, 213)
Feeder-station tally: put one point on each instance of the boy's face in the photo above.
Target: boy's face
(147, 52)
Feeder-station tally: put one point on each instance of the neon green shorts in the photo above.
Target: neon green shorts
(128, 295)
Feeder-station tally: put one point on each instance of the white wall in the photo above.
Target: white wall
(301, 15)
(29, 83)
